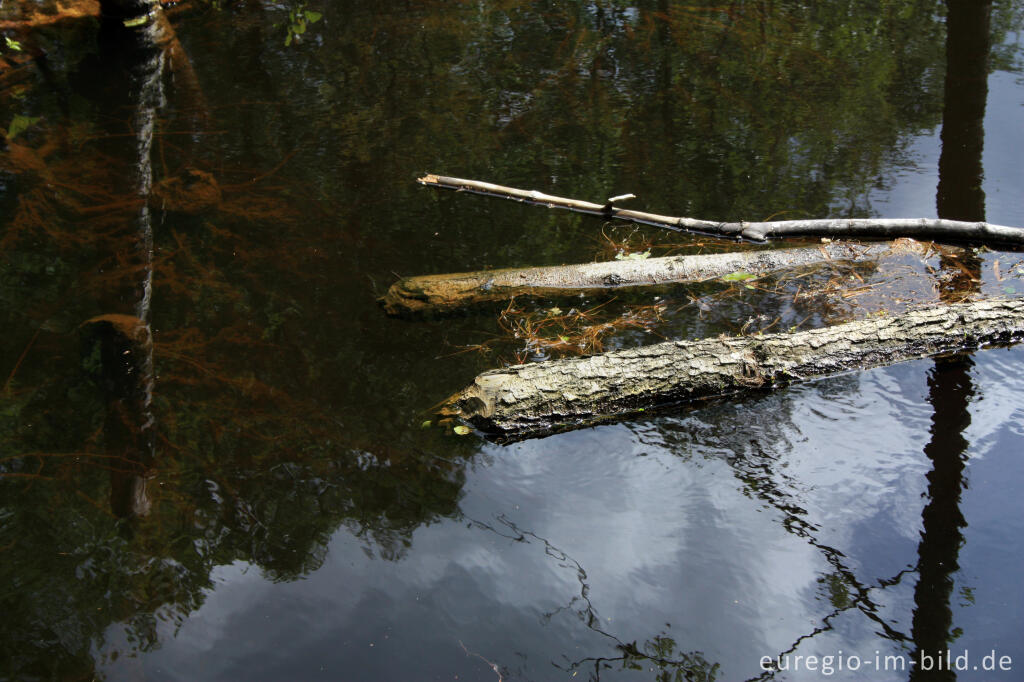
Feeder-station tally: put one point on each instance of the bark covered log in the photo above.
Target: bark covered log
(448, 291)
(537, 398)
(837, 228)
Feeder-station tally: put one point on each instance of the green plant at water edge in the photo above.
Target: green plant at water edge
(298, 21)
(20, 124)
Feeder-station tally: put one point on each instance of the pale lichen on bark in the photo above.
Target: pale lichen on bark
(540, 397)
(448, 291)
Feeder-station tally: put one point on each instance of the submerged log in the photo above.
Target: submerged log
(447, 291)
(837, 228)
(532, 399)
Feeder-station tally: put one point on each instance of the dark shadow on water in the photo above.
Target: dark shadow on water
(118, 351)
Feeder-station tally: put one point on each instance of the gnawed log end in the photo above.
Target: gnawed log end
(401, 300)
(411, 296)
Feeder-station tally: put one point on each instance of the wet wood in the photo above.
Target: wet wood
(837, 228)
(538, 398)
(449, 291)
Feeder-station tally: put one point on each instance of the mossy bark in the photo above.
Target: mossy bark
(537, 398)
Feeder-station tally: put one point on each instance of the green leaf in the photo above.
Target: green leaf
(13, 44)
(137, 21)
(312, 17)
(461, 430)
(288, 40)
(554, 311)
(19, 125)
(633, 256)
(738, 276)
(426, 424)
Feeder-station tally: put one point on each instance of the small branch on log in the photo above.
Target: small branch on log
(533, 399)
(448, 291)
(849, 228)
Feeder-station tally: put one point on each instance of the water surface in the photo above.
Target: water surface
(266, 502)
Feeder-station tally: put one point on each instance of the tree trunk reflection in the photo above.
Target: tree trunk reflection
(950, 388)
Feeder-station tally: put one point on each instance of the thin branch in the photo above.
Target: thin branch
(494, 666)
(852, 228)
(21, 358)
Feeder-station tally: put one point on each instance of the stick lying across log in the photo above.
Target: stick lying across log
(839, 228)
(448, 291)
(538, 398)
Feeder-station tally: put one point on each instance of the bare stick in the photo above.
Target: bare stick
(851, 228)
(494, 666)
(537, 398)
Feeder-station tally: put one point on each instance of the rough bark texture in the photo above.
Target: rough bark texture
(444, 292)
(855, 228)
(537, 398)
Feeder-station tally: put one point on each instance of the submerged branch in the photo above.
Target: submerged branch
(532, 399)
(448, 291)
(851, 228)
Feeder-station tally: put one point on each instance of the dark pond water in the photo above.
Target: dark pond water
(255, 496)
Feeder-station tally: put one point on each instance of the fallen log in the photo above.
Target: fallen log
(448, 291)
(538, 398)
(837, 228)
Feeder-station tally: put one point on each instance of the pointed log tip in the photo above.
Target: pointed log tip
(428, 179)
(405, 299)
(471, 404)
